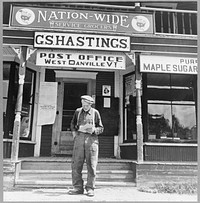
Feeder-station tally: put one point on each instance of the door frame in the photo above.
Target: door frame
(57, 126)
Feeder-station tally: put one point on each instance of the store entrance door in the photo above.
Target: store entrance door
(69, 94)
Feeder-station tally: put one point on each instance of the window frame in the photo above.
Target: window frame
(146, 102)
(12, 90)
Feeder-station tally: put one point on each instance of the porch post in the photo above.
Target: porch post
(18, 108)
(139, 125)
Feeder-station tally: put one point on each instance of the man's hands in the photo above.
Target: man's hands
(90, 130)
(74, 134)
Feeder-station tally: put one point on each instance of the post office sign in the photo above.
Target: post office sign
(81, 59)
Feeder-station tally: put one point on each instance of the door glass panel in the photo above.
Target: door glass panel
(71, 101)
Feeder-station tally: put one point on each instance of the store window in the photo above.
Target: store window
(171, 107)
(27, 104)
(129, 108)
(10, 90)
(9, 96)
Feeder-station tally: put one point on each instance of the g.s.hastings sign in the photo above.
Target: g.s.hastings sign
(67, 19)
(81, 41)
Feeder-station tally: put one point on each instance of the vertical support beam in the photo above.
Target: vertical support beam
(161, 22)
(190, 23)
(169, 22)
(139, 125)
(175, 21)
(183, 22)
(18, 108)
(118, 90)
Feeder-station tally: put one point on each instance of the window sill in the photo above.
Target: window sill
(172, 141)
(20, 141)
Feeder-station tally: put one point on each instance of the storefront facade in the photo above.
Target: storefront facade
(144, 83)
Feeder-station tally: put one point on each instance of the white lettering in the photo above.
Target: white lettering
(61, 14)
(40, 14)
(53, 15)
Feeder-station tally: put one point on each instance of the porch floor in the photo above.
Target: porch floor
(101, 160)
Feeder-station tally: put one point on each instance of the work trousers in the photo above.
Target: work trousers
(86, 147)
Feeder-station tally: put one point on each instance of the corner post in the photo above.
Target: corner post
(18, 108)
(138, 81)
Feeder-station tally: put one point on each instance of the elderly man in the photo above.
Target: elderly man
(86, 125)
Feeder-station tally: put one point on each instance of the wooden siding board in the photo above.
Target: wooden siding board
(46, 140)
(164, 40)
(106, 141)
(147, 43)
(106, 146)
(163, 48)
(166, 153)
(7, 40)
(18, 33)
(128, 152)
(25, 149)
(104, 78)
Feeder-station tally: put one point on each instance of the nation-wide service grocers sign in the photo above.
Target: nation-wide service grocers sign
(168, 64)
(81, 41)
(78, 59)
(67, 19)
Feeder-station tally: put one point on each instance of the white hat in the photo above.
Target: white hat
(87, 99)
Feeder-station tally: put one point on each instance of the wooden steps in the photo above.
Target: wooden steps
(57, 173)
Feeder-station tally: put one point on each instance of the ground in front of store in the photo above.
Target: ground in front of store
(103, 193)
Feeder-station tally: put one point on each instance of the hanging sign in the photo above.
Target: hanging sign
(68, 19)
(81, 41)
(47, 103)
(76, 59)
(168, 64)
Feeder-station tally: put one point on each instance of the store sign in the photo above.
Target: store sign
(75, 59)
(81, 41)
(168, 64)
(47, 103)
(67, 19)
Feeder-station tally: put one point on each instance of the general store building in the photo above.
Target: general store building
(138, 61)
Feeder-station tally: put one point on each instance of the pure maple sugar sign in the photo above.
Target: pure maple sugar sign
(168, 64)
(67, 19)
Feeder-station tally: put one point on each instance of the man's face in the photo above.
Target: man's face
(86, 106)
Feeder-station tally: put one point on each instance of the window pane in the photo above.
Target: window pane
(160, 121)
(184, 122)
(158, 94)
(158, 80)
(182, 87)
(129, 108)
(182, 80)
(27, 104)
(131, 118)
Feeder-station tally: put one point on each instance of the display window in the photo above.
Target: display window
(129, 108)
(10, 90)
(171, 102)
